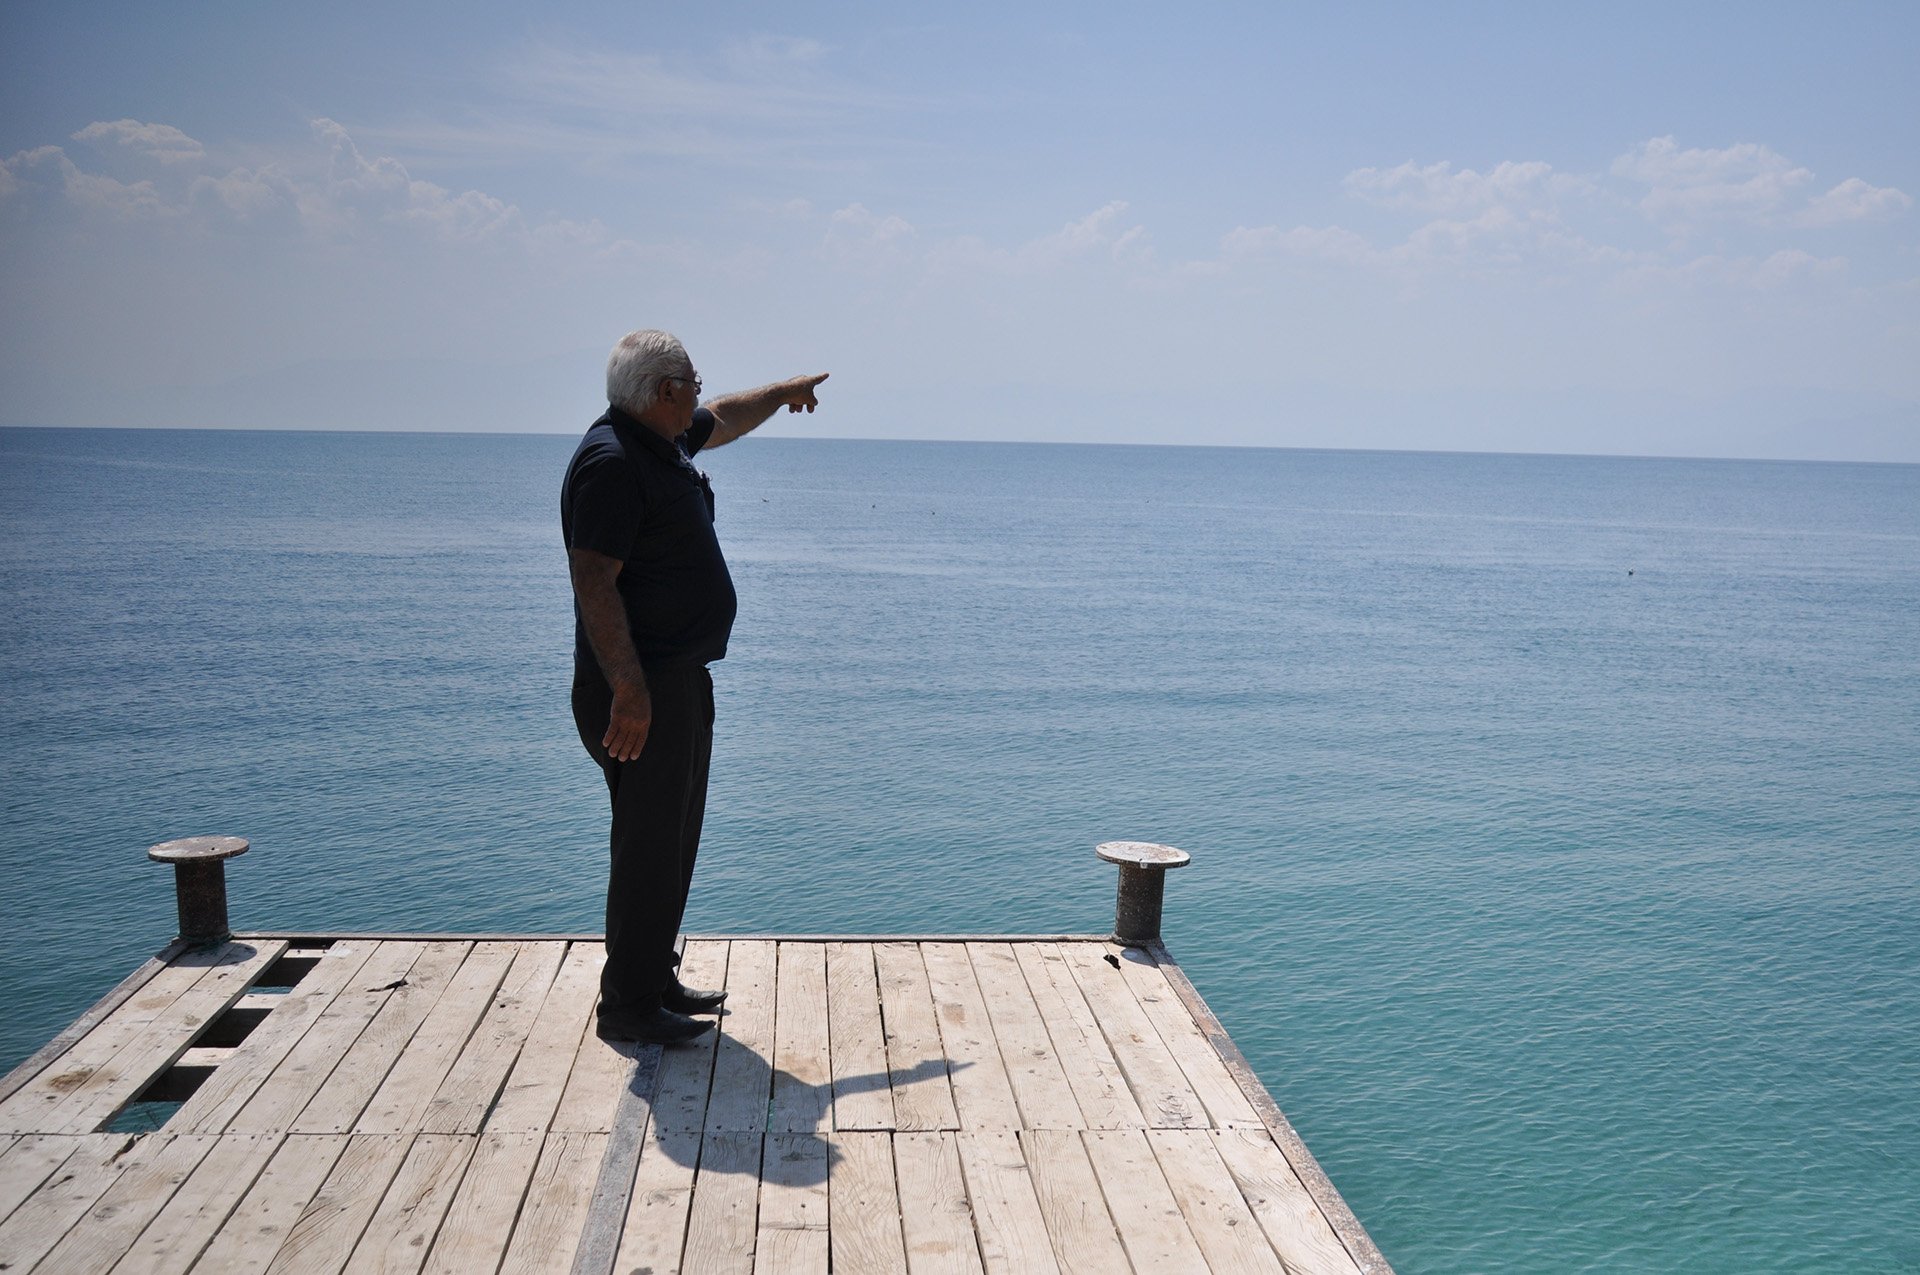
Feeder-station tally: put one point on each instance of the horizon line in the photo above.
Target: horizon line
(984, 442)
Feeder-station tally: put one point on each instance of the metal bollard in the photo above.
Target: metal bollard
(1143, 871)
(200, 884)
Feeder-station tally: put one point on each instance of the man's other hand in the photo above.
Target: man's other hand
(627, 726)
(798, 393)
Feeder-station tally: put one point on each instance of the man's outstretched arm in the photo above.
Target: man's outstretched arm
(605, 617)
(735, 414)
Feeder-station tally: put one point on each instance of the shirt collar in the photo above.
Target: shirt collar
(630, 425)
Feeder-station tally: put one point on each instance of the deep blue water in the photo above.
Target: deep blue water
(1555, 821)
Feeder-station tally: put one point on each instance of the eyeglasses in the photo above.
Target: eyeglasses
(693, 380)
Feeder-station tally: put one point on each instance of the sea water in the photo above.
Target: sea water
(1554, 820)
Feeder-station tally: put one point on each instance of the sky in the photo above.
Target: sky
(1644, 229)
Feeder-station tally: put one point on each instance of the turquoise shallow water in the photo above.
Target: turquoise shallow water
(1571, 914)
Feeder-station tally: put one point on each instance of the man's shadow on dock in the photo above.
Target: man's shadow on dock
(725, 1133)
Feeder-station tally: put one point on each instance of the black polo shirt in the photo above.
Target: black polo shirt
(632, 495)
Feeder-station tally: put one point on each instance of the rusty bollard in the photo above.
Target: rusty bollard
(1143, 871)
(200, 883)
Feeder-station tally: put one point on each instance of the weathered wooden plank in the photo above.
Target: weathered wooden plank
(791, 1251)
(1353, 1236)
(1085, 1241)
(479, 1222)
(1153, 1076)
(337, 1106)
(601, 1072)
(285, 1093)
(235, 1081)
(1292, 1222)
(1039, 1082)
(721, 1226)
(30, 1161)
(254, 1231)
(56, 1049)
(26, 1109)
(909, 938)
(327, 1230)
(1098, 1084)
(403, 1097)
(793, 1181)
(539, 1075)
(104, 1233)
(116, 1081)
(1142, 1205)
(686, 1071)
(936, 1220)
(742, 1073)
(1227, 1107)
(202, 1204)
(802, 1063)
(1012, 1230)
(409, 1215)
(981, 1090)
(862, 1085)
(613, 1186)
(556, 1205)
(1216, 1214)
(864, 1205)
(792, 1238)
(916, 1059)
(43, 1219)
(476, 1077)
(656, 1223)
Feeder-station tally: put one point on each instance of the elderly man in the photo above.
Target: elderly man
(653, 605)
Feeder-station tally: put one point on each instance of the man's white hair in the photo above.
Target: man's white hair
(640, 361)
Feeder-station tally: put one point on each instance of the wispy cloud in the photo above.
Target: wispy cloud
(1524, 215)
(327, 189)
(1854, 200)
(764, 100)
(160, 141)
(1441, 188)
(1748, 181)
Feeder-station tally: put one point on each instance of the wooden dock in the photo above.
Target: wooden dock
(440, 1104)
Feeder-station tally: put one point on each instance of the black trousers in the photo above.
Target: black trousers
(659, 801)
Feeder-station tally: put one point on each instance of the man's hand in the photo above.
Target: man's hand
(627, 726)
(737, 414)
(798, 392)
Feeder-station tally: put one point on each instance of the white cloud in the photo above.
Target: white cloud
(762, 52)
(380, 189)
(1747, 181)
(1784, 268)
(51, 174)
(1855, 200)
(160, 141)
(1440, 188)
(1307, 243)
(857, 220)
(333, 190)
(858, 235)
(247, 196)
(1102, 235)
(1100, 231)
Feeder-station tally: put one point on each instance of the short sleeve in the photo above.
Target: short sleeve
(606, 509)
(697, 433)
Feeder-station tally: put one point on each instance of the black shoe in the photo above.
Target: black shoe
(684, 1000)
(648, 1027)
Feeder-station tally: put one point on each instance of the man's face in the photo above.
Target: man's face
(684, 393)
